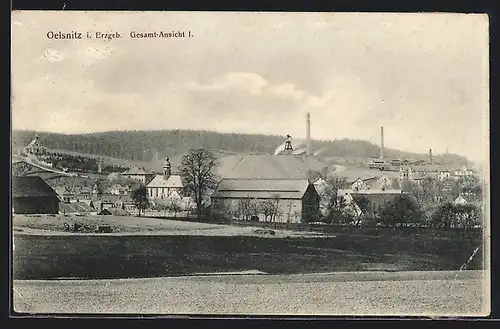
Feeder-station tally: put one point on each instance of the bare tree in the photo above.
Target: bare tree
(276, 213)
(333, 203)
(198, 171)
(245, 208)
(270, 208)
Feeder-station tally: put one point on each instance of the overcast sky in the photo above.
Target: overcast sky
(424, 77)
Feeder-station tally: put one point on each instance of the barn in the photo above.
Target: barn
(276, 200)
(32, 195)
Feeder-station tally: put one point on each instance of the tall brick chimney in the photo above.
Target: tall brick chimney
(308, 134)
(381, 142)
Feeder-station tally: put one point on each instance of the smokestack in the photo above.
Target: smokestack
(430, 156)
(381, 142)
(308, 134)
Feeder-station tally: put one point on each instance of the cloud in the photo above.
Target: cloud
(421, 76)
(246, 81)
(251, 83)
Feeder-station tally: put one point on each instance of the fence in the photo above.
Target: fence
(163, 214)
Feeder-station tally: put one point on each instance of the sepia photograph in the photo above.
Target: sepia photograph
(250, 163)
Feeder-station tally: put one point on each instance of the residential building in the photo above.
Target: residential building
(111, 201)
(405, 172)
(293, 200)
(139, 174)
(444, 174)
(360, 184)
(378, 164)
(32, 195)
(463, 172)
(118, 189)
(76, 208)
(64, 193)
(35, 147)
(460, 200)
(162, 186)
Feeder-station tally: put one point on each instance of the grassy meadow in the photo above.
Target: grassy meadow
(187, 248)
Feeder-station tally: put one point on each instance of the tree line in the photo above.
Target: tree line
(428, 204)
(149, 145)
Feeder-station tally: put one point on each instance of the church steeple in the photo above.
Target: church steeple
(288, 143)
(167, 169)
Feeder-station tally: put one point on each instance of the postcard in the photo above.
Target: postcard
(250, 163)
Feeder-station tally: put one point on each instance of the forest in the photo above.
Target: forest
(154, 145)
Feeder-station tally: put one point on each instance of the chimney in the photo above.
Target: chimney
(308, 134)
(166, 169)
(381, 142)
(430, 156)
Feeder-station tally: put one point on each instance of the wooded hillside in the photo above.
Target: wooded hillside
(151, 145)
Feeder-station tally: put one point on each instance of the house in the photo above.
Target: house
(161, 186)
(444, 174)
(382, 183)
(460, 200)
(82, 193)
(111, 201)
(138, 174)
(32, 195)
(76, 208)
(378, 164)
(35, 147)
(118, 189)
(64, 193)
(405, 172)
(359, 185)
(463, 172)
(291, 200)
(75, 193)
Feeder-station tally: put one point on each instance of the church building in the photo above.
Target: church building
(162, 186)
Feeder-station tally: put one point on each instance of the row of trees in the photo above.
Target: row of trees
(250, 208)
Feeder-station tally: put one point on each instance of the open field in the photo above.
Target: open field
(179, 248)
(124, 225)
(411, 294)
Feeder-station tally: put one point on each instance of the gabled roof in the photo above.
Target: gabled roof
(31, 186)
(351, 174)
(264, 166)
(261, 188)
(174, 181)
(82, 190)
(35, 142)
(113, 198)
(74, 207)
(136, 171)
